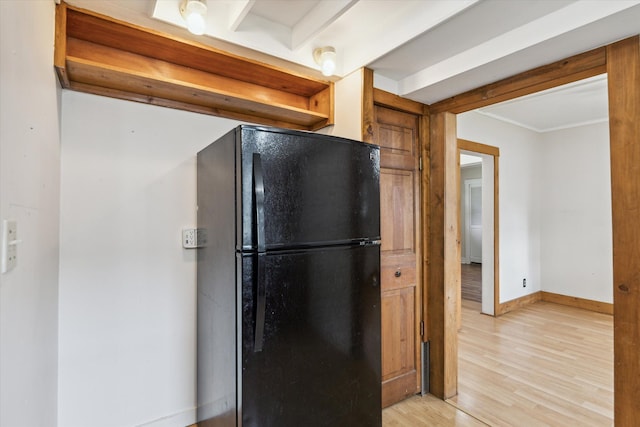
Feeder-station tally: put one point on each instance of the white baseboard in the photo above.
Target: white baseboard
(180, 419)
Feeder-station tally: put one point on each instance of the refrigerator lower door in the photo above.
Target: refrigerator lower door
(319, 361)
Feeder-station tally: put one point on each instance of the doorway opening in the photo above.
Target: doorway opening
(479, 225)
(570, 158)
(471, 227)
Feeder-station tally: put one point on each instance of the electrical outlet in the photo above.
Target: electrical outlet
(524, 283)
(189, 238)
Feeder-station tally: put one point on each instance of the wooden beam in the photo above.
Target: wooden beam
(60, 43)
(368, 113)
(477, 147)
(568, 70)
(623, 69)
(444, 256)
(390, 100)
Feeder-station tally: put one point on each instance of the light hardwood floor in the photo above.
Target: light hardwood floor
(471, 281)
(542, 365)
(426, 411)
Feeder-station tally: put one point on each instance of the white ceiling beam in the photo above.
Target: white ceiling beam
(376, 31)
(320, 17)
(238, 10)
(564, 20)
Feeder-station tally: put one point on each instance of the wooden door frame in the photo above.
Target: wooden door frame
(621, 62)
(488, 150)
(372, 97)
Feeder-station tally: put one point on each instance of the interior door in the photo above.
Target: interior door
(397, 134)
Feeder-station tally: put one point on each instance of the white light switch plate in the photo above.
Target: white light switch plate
(9, 246)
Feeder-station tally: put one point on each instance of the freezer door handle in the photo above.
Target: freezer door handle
(258, 191)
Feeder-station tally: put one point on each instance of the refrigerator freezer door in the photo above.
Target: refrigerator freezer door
(319, 364)
(318, 190)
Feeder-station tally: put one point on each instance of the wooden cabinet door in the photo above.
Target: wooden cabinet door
(397, 135)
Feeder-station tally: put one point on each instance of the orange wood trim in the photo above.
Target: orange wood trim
(464, 144)
(520, 302)
(496, 234)
(623, 69)
(60, 42)
(444, 254)
(390, 100)
(458, 268)
(83, 57)
(568, 70)
(425, 217)
(586, 304)
(398, 386)
(368, 112)
(453, 250)
(129, 96)
(323, 102)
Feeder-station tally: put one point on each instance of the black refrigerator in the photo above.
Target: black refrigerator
(288, 280)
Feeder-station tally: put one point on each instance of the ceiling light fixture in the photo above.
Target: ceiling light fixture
(325, 57)
(194, 12)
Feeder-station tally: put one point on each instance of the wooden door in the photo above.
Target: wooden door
(397, 134)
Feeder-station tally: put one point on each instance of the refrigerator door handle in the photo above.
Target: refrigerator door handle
(258, 191)
(261, 301)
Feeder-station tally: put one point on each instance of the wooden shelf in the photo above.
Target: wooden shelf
(99, 55)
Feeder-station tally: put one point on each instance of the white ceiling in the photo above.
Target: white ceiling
(425, 50)
(575, 104)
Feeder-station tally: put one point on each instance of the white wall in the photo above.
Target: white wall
(348, 107)
(127, 287)
(519, 174)
(577, 255)
(555, 207)
(29, 193)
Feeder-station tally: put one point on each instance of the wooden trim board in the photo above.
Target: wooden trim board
(586, 304)
(517, 303)
(568, 70)
(443, 246)
(577, 302)
(623, 71)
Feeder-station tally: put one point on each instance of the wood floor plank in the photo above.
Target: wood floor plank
(426, 411)
(471, 282)
(542, 365)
